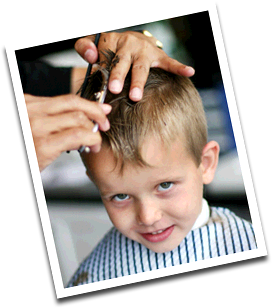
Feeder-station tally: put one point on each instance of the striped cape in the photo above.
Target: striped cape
(117, 256)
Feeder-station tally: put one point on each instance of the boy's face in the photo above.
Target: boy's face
(155, 206)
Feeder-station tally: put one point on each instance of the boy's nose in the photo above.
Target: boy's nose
(148, 213)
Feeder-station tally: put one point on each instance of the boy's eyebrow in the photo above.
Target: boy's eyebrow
(170, 178)
(109, 193)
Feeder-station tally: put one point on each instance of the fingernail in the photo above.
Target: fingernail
(135, 94)
(106, 125)
(115, 86)
(95, 148)
(89, 55)
(190, 70)
(106, 108)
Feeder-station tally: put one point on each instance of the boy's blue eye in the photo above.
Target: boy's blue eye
(120, 197)
(165, 186)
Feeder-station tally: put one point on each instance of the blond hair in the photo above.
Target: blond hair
(171, 109)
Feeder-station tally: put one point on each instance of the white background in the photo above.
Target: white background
(239, 18)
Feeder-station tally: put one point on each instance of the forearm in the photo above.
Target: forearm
(77, 78)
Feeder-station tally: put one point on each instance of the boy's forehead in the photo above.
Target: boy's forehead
(154, 153)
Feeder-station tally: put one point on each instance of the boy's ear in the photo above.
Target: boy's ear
(87, 173)
(209, 161)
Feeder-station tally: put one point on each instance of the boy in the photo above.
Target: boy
(150, 172)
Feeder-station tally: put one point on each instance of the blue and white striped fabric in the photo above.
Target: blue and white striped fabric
(117, 256)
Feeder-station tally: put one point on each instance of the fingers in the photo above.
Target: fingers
(141, 52)
(141, 67)
(73, 139)
(119, 73)
(64, 123)
(61, 122)
(132, 48)
(139, 74)
(50, 147)
(71, 103)
(86, 48)
(173, 66)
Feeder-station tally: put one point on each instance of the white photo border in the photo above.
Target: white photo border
(46, 225)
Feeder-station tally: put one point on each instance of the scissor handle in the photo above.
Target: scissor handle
(95, 128)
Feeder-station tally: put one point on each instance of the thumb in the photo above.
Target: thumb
(86, 48)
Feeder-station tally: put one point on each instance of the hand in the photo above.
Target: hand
(133, 48)
(64, 123)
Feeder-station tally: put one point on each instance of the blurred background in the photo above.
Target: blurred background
(77, 215)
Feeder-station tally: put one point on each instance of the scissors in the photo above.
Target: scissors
(99, 90)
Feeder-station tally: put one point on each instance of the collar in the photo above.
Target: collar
(203, 217)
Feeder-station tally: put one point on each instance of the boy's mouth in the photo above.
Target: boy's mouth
(158, 236)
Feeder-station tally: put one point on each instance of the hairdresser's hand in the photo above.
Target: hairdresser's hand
(64, 123)
(133, 48)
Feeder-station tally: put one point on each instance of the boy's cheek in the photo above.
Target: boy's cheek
(181, 200)
(186, 206)
(120, 219)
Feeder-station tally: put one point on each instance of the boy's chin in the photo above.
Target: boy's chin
(163, 250)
